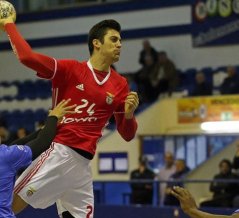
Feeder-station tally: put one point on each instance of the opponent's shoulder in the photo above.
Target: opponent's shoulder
(13, 150)
(18, 148)
(3, 149)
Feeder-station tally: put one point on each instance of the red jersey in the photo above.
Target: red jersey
(97, 100)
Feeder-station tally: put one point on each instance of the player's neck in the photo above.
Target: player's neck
(99, 64)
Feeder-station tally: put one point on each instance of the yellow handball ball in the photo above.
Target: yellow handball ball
(7, 10)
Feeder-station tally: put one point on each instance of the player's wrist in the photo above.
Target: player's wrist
(191, 211)
(129, 116)
(53, 116)
(5, 22)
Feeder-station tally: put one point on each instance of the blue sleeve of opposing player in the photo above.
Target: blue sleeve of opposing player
(19, 156)
(237, 211)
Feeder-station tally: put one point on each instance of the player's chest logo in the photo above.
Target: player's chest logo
(80, 87)
(109, 98)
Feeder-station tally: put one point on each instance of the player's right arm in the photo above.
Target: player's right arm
(36, 61)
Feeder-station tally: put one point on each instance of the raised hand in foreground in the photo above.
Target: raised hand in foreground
(61, 109)
(188, 205)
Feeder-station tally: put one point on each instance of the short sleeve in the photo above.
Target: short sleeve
(19, 156)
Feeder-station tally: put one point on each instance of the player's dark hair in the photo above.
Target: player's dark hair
(99, 30)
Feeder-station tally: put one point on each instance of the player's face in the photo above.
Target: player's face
(112, 45)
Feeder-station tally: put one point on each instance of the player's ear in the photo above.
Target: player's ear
(96, 43)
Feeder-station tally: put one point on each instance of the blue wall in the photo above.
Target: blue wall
(103, 211)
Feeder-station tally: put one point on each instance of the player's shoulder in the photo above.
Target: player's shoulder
(70, 62)
(19, 148)
(118, 78)
(3, 148)
(13, 149)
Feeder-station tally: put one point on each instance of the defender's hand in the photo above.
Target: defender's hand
(187, 201)
(131, 103)
(61, 109)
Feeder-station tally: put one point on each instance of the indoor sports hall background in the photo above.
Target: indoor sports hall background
(196, 35)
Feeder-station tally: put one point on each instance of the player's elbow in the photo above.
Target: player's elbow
(128, 137)
(24, 59)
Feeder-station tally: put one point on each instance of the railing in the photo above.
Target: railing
(109, 210)
(119, 192)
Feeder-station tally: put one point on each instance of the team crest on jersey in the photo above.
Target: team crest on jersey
(30, 191)
(109, 98)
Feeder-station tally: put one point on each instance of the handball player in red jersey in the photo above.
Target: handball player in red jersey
(64, 174)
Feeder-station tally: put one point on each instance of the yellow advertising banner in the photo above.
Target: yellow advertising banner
(201, 109)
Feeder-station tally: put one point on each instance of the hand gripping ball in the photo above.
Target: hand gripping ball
(7, 10)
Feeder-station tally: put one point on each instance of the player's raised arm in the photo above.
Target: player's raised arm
(22, 49)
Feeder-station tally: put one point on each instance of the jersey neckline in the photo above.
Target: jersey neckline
(94, 75)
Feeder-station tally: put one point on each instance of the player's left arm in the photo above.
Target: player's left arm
(131, 104)
(126, 122)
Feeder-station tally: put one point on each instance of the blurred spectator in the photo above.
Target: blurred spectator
(131, 82)
(148, 52)
(21, 133)
(142, 192)
(180, 172)
(223, 193)
(202, 87)
(5, 136)
(164, 77)
(165, 172)
(142, 79)
(235, 163)
(218, 77)
(230, 84)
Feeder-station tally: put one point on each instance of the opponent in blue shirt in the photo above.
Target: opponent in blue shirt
(189, 206)
(21, 153)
